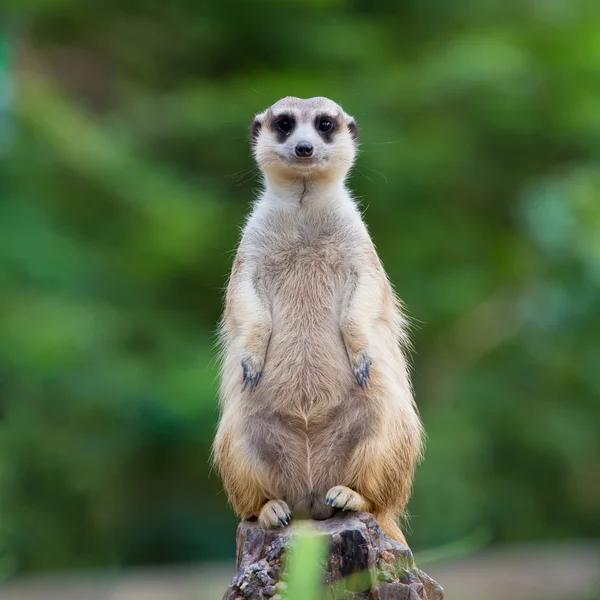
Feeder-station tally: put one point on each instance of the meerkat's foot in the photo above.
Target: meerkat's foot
(346, 499)
(251, 372)
(361, 366)
(275, 513)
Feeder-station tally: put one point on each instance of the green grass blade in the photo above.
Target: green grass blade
(305, 565)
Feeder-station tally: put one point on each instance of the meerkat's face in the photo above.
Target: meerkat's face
(297, 137)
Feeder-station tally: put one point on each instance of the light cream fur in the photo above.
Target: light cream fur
(308, 305)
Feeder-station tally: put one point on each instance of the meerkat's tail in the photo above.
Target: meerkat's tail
(387, 522)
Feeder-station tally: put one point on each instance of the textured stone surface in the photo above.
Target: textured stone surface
(363, 563)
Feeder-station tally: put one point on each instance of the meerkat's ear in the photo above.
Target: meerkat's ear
(256, 127)
(352, 128)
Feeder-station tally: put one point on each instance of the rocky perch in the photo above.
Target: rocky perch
(362, 564)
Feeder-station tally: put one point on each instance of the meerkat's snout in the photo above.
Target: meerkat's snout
(304, 150)
(297, 137)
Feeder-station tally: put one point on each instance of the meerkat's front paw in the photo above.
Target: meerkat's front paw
(344, 498)
(251, 371)
(361, 367)
(275, 513)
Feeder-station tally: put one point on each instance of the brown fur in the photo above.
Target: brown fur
(308, 302)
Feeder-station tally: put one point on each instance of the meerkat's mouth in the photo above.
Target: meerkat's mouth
(304, 162)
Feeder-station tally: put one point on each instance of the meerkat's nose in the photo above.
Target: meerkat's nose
(304, 150)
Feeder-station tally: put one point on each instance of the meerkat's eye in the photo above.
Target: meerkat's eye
(285, 124)
(325, 125)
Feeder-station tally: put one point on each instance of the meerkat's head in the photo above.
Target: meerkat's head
(297, 137)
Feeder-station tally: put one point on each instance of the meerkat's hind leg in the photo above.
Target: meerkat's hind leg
(275, 513)
(344, 498)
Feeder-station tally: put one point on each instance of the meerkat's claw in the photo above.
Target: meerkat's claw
(250, 374)
(275, 513)
(344, 498)
(362, 372)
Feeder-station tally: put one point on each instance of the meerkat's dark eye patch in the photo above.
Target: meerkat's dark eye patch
(282, 126)
(285, 124)
(326, 126)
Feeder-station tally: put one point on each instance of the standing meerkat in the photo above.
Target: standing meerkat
(317, 412)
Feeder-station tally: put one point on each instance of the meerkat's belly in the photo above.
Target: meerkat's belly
(306, 358)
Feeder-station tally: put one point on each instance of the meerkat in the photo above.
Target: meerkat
(317, 410)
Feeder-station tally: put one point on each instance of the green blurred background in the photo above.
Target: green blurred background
(125, 175)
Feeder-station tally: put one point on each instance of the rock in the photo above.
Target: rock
(363, 563)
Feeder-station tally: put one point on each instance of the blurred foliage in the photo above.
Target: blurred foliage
(121, 201)
(304, 567)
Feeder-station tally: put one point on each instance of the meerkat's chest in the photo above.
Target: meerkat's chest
(307, 255)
